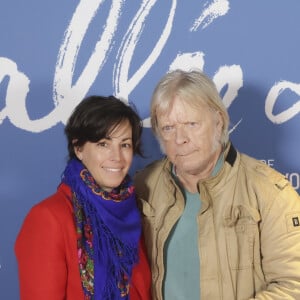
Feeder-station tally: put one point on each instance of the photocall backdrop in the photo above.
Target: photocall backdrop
(54, 53)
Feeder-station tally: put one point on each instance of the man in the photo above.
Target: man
(218, 224)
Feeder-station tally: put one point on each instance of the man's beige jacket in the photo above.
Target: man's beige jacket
(249, 229)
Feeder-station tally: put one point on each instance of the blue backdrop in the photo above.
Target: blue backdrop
(52, 54)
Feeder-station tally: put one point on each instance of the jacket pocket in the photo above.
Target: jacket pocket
(242, 236)
(146, 208)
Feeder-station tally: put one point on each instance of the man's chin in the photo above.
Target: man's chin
(185, 167)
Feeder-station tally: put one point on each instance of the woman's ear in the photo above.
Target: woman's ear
(78, 152)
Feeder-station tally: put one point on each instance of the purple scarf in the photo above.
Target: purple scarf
(108, 226)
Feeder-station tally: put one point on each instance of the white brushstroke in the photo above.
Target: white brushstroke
(17, 90)
(272, 98)
(188, 61)
(232, 77)
(215, 10)
(64, 92)
(122, 84)
(234, 127)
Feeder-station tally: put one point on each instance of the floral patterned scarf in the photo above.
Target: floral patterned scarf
(108, 228)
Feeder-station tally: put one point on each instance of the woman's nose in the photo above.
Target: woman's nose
(115, 153)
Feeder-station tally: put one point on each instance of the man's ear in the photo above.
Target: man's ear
(219, 123)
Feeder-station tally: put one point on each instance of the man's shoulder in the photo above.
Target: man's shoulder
(263, 173)
(150, 174)
(152, 169)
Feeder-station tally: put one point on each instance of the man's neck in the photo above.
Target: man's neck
(190, 181)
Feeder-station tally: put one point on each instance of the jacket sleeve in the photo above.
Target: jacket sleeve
(280, 246)
(40, 255)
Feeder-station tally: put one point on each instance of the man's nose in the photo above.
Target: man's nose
(181, 134)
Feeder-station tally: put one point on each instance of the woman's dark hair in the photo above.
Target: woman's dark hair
(95, 117)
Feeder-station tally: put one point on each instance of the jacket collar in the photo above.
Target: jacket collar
(231, 155)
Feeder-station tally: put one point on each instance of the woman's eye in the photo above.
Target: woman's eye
(126, 145)
(102, 144)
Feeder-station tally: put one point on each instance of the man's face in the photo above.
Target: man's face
(190, 136)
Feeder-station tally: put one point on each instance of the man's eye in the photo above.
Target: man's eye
(193, 124)
(167, 128)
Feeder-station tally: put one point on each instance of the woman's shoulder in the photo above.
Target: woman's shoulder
(59, 199)
(49, 221)
(57, 205)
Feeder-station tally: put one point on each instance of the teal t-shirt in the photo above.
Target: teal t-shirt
(182, 259)
(182, 263)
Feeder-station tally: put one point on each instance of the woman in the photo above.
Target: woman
(84, 242)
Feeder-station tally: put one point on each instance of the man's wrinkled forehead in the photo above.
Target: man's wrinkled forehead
(181, 111)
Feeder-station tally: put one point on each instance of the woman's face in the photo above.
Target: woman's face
(109, 159)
